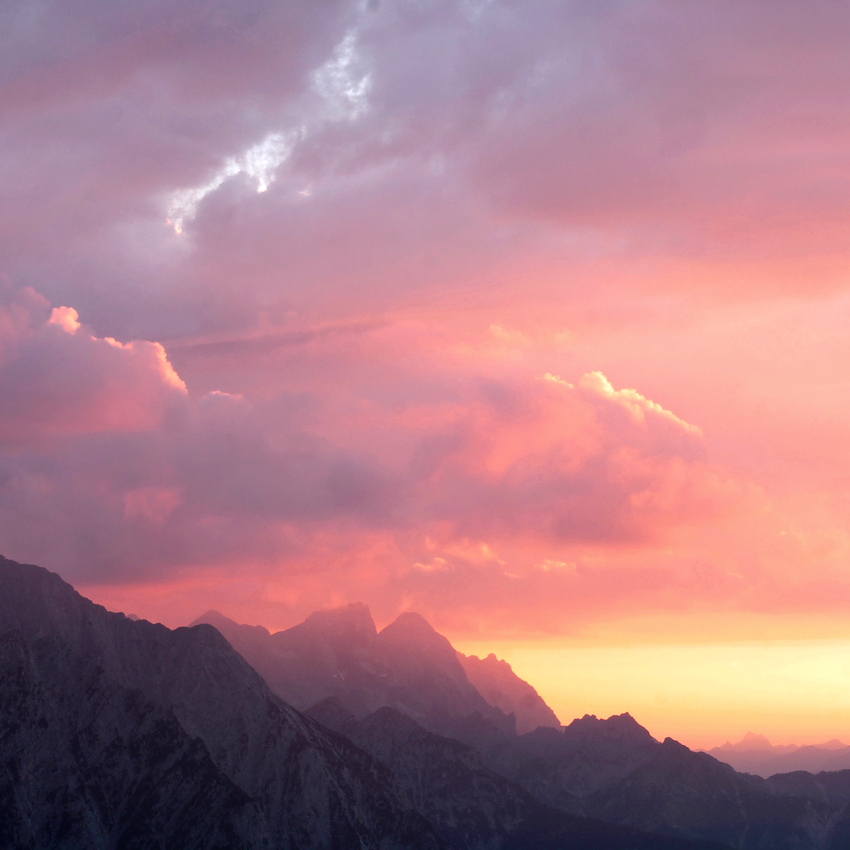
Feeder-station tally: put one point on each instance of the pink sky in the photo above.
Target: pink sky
(529, 316)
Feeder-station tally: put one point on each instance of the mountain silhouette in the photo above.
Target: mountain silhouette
(756, 755)
(473, 807)
(339, 653)
(614, 770)
(121, 733)
(500, 686)
(610, 769)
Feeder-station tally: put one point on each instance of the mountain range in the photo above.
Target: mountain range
(370, 685)
(120, 733)
(115, 733)
(755, 754)
(340, 653)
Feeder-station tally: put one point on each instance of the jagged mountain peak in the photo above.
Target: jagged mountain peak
(491, 663)
(338, 653)
(352, 620)
(501, 687)
(212, 617)
(621, 727)
(290, 778)
(228, 627)
(752, 741)
(411, 644)
(223, 623)
(26, 585)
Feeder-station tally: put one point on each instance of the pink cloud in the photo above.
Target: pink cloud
(56, 378)
(547, 135)
(459, 200)
(115, 471)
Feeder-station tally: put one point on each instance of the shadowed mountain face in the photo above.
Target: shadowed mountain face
(339, 653)
(122, 733)
(614, 770)
(445, 779)
(686, 793)
(473, 807)
(611, 770)
(561, 766)
(86, 763)
(500, 686)
(117, 733)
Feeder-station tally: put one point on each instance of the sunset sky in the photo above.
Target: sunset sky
(528, 315)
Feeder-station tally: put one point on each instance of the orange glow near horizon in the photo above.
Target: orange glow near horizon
(700, 694)
(700, 689)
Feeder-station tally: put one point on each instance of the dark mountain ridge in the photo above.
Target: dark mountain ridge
(611, 770)
(473, 807)
(86, 763)
(614, 770)
(122, 734)
(281, 780)
(117, 733)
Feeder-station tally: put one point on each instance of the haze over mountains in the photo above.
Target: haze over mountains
(407, 665)
(122, 733)
(125, 733)
(117, 733)
(500, 686)
(755, 754)
(365, 682)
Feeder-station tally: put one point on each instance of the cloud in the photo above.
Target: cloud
(56, 378)
(547, 135)
(108, 449)
(259, 163)
(396, 219)
(548, 461)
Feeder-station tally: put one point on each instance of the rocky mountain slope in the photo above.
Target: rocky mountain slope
(500, 686)
(110, 727)
(473, 807)
(611, 770)
(339, 653)
(117, 733)
(86, 763)
(614, 770)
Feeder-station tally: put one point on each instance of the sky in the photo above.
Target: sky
(526, 315)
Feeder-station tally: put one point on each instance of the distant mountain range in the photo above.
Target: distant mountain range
(755, 754)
